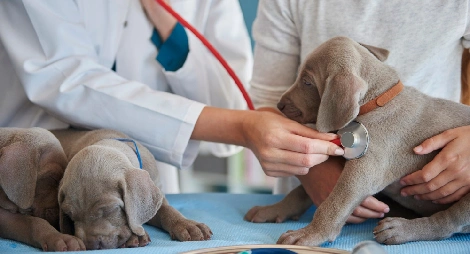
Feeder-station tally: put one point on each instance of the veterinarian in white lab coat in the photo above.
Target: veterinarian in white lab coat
(106, 64)
(425, 40)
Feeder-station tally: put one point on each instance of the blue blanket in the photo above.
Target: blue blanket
(223, 213)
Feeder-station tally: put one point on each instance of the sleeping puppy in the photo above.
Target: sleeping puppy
(342, 81)
(32, 163)
(109, 190)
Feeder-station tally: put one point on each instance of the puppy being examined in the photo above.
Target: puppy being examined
(105, 197)
(334, 87)
(32, 163)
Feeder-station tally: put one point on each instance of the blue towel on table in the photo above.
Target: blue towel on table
(223, 213)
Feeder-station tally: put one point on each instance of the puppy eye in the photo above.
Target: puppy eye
(307, 83)
(110, 209)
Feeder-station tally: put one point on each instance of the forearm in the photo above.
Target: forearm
(222, 125)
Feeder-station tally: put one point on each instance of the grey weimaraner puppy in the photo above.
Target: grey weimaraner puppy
(32, 163)
(334, 87)
(105, 196)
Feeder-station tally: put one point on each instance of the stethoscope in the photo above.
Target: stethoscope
(353, 138)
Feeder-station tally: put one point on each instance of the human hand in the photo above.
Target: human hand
(322, 178)
(285, 147)
(446, 178)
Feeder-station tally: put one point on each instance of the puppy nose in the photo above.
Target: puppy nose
(281, 105)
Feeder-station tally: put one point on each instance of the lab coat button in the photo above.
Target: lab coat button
(125, 23)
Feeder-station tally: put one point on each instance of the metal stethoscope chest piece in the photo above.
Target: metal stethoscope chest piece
(354, 139)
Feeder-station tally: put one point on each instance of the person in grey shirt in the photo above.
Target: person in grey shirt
(426, 40)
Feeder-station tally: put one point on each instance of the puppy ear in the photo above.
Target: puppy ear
(66, 224)
(380, 53)
(142, 199)
(18, 173)
(340, 102)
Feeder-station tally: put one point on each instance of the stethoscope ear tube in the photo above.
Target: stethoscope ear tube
(212, 49)
(354, 139)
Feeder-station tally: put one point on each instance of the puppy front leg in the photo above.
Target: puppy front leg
(179, 228)
(353, 186)
(36, 232)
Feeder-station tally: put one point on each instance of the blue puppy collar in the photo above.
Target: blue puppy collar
(136, 149)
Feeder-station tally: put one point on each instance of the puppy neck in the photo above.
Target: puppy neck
(382, 99)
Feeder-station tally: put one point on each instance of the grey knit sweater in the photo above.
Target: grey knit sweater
(425, 40)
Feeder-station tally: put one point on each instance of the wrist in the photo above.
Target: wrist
(270, 109)
(246, 125)
(223, 126)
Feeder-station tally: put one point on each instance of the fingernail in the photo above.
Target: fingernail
(416, 197)
(404, 194)
(332, 135)
(402, 183)
(382, 215)
(339, 151)
(418, 149)
(386, 210)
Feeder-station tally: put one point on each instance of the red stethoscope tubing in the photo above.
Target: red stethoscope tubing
(218, 56)
(212, 50)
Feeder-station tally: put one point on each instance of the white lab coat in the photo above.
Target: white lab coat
(56, 58)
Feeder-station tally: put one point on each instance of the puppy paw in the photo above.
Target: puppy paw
(137, 241)
(305, 237)
(62, 242)
(399, 230)
(272, 213)
(189, 230)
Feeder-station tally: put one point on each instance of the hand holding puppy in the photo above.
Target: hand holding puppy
(446, 178)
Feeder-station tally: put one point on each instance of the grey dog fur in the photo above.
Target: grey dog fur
(334, 81)
(32, 163)
(105, 197)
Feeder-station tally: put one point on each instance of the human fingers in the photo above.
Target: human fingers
(454, 196)
(369, 208)
(285, 157)
(363, 212)
(436, 142)
(374, 204)
(442, 192)
(434, 188)
(355, 220)
(282, 170)
(307, 132)
(277, 174)
(438, 164)
(430, 170)
(305, 145)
